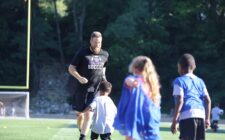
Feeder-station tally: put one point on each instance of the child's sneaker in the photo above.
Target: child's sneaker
(82, 137)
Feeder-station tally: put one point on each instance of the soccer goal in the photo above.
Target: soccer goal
(14, 104)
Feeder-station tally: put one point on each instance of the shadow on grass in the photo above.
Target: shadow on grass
(72, 126)
(164, 129)
(220, 131)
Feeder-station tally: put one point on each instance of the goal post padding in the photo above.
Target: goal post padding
(14, 104)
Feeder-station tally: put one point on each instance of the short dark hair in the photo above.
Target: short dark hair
(96, 34)
(187, 62)
(105, 86)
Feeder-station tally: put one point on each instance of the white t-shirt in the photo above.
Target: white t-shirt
(104, 114)
(216, 112)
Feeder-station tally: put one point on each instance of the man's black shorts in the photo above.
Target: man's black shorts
(192, 129)
(82, 100)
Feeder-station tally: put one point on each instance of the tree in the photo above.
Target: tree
(62, 58)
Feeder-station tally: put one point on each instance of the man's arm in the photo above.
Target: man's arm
(73, 71)
(178, 105)
(207, 110)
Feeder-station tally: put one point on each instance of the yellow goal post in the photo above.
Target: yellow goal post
(27, 55)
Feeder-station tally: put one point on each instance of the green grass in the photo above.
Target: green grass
(62, 129)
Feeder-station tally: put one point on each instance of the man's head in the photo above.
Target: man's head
(96, 42)
(105, 88)
(186, 64)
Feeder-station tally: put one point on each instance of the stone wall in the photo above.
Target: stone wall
(52, 96)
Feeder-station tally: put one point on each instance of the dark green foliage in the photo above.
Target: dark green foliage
(162, 30)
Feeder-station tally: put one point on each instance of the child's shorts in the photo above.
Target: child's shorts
(94, 136)
(192, 129)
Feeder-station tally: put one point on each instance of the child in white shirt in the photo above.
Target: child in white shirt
(104, 113)
(216, 112)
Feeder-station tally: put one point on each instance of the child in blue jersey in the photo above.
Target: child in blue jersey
(138, 114)
(192, 102)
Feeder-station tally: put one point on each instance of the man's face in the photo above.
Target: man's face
(96, 44)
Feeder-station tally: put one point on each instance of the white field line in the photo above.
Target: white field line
(66, 133)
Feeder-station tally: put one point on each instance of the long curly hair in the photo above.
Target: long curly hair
(147, 69)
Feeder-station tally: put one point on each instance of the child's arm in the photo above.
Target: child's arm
(86, 109)
(178, 105)
(221, 111)
(131, 82)
(207, 110)
(91, 107)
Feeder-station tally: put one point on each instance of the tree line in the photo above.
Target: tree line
(162, 30)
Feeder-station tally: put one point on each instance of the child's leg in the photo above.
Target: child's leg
(87, 122)
(213, 125)
(105, 136)
(94, 136)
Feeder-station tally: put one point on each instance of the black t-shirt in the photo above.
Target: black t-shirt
(90, 66)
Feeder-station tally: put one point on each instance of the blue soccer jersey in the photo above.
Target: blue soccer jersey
(193, 91)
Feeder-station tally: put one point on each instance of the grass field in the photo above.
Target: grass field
(66, 129)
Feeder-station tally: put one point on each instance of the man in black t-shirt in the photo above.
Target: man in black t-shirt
(88, 67)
